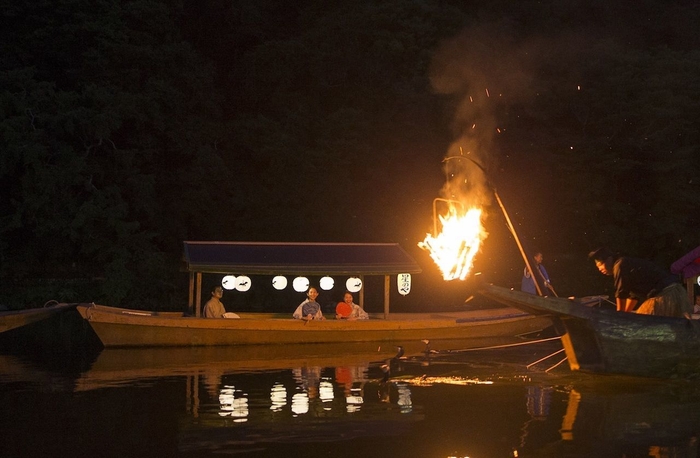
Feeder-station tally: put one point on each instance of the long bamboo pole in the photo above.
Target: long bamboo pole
(517, 240)
(510, 225)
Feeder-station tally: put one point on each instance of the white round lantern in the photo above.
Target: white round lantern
(279, 282)
(242, 283)
(354, 284)
(300, 284)
(228, 282)
(403, 283)
(326, 283)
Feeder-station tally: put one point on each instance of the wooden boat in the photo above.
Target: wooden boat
(18, 318)
(600, 340)
(118, 327)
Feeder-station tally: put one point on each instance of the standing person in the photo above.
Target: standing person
(355, 311)
(309, 309)
(214, 308)
(638, 280)
(528, 283)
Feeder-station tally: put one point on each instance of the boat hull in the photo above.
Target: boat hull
(16, 319)
(131, 328)
(606, 341)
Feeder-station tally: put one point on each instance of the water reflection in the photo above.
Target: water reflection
(404, 398)
(539, 399)
(278, 397)
(233, 403)
(310, 388)
(657, 420)
(324, 399)
(352, 379)
(476, 405)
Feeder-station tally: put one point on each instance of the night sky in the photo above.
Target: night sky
(130, 127)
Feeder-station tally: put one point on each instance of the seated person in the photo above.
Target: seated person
(214, 308)
(309, 309)
(348, 310)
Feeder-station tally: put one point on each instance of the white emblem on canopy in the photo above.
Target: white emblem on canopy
(228, 282)
(354, 284)
(242, 283)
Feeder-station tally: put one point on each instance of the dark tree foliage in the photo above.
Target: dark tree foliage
(609, 144)
(127, 127)
(329, 117)
(109, 132)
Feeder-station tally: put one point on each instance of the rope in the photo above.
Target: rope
(556, 365)
(545, 358)
(503, 346)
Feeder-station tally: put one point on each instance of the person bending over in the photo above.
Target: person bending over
(638, 280)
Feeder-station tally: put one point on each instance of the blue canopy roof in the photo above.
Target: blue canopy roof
(271, 258)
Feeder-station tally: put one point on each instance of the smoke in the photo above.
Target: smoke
(483, 70)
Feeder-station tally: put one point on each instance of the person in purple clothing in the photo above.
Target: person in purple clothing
(639, 281)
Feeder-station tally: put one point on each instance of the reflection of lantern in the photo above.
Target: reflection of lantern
(228, 282)
(354, 284)
(404, 400)
(325, 392)
(242, 283)
(326, 283)
(300, 284)
(279, 282)
(278, 394)
(300, 403)
(403, 282)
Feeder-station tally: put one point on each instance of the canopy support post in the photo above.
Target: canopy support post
(190, 302)
(690, 288)
(362, 293)
(198, 302)
(386, 297)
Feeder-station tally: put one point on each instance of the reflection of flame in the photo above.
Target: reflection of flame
(454, 248)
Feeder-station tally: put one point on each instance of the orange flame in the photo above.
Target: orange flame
(454, 248)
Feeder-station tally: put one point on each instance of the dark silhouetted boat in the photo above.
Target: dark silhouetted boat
(14, 319)
(600, 340)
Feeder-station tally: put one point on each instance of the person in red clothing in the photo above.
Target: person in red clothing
(354, 311)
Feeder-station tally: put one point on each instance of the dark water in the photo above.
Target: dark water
(295, 402)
